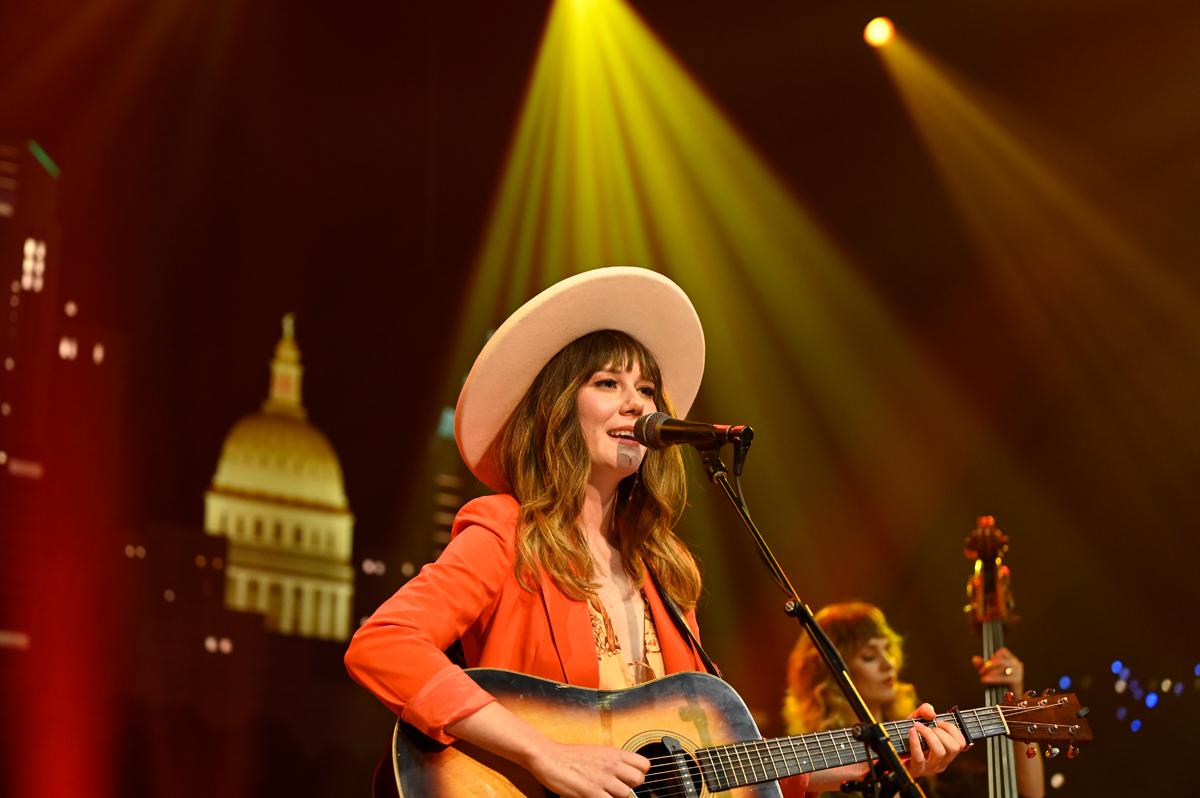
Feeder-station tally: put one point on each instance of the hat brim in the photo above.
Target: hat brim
(635, 301)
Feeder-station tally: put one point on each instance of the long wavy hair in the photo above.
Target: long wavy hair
(545, 460)
(814, 702)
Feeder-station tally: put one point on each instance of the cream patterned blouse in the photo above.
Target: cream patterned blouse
(615, 673)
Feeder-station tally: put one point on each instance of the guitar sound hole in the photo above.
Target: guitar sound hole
(663, 780)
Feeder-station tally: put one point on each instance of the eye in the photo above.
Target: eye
(606, 382)
(647, 390)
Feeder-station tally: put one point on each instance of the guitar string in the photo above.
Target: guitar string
(759, 756)
(978, 729)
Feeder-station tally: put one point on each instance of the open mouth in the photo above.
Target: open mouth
(623, 435)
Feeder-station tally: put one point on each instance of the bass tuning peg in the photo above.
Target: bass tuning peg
(1073, 751)
(1051, 752)
(1031, 693)
(1049, 691)
(1031, 750)
(1008, 696)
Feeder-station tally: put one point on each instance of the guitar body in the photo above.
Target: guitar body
(696, 709)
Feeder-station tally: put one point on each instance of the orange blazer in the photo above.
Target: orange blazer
(471, 594)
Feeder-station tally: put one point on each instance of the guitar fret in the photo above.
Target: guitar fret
(709, 771)
(727, 767)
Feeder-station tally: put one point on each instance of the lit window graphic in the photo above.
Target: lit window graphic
(1135, 726)
(130, 551)
(200, 561)
(5, 409)
(3, 457)
(225, 645)
(210, 644)
(1064, 683)
(169, 594)
(98, 354)
(71, 308)
(9, 364)
(68, 348)
(17, 640)
(26, 469)
(1057, 780)
(14, 300)
(375, 567)
(1121, 713)
(33, 267)
(140, 552)
(408, 569)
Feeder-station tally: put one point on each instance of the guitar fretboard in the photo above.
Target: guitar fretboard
(739, 764)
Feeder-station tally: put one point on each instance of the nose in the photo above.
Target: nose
(889, 664)
(634, 403)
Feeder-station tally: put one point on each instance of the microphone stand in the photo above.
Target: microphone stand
(868, 730)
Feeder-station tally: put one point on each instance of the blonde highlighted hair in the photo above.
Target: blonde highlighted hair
(545, 461)
(814, 701)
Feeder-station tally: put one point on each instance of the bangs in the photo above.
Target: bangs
(853, 626)
(612, 350)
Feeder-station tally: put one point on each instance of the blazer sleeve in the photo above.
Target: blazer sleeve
(398, 653)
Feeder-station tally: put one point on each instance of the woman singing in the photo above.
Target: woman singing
(551, 576)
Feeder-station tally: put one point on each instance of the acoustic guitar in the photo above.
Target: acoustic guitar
(696, 732)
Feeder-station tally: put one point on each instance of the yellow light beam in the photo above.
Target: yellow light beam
(1108, 319)
(620, 158)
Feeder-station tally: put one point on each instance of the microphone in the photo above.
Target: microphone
(658, 431)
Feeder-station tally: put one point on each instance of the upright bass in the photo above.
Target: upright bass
(989, 607)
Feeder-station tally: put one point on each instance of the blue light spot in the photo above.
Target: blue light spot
(1064, 683)
(445, 428)
(1116, 666)
(1121, 712)
(1196, 670)
(1151, 700)
(1137, 724)
(1124, 674)
(1178, 688)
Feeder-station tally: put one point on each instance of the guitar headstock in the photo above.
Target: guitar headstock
(1056, 720)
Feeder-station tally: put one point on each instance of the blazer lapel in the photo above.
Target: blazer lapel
(571, 628)
(677, 653)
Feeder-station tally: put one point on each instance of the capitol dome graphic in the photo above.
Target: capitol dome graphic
(278, 497)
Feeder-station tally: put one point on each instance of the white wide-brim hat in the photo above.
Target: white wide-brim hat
(635, 301)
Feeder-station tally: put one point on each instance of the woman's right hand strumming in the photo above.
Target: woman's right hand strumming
(572, 771)
(589, 771)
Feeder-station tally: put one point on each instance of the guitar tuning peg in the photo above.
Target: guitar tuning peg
(1072, 752)
(1051, 752)
(1031, 693)
(1031, 750)
(1049, 691)
(1008, 696)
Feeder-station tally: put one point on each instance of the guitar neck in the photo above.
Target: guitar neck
(741, 764)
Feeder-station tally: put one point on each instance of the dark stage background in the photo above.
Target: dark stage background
(225, 163)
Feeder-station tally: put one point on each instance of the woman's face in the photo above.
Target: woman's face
(609, 402)
(874, 673)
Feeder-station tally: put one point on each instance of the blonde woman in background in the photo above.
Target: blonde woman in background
(874, 657)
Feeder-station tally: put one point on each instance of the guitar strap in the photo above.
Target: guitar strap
(682, 626)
